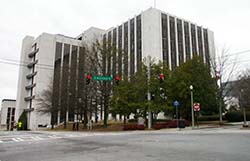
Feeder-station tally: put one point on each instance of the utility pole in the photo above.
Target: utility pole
(192, 103)
(149, 95)
(220, 101)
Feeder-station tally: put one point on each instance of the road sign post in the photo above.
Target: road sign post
(196, 107)
(176, 104)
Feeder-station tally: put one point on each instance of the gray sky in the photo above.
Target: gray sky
(229, 19)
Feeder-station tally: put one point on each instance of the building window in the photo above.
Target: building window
(200, 42)
(193, 35)
(187, 41)
(73, 78)
(58, 50)
(109, 54)
(132, 47)
(114, 52)
(172, 42)
(164, 23)
(57, 71)
(65, 76)
(138, 42)
(125, 60)
(120, 50)
(206, 46)
(180, 41)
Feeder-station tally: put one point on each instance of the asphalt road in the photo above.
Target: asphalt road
(217, 144)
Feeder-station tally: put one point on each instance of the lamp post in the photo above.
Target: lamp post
(243, 108)
(192, 102)
(149, 95)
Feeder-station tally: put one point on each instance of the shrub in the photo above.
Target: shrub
(140, 127)
(236, 116)
(161, 125)
(172, 124)
(133, 127)
(209, 118)
(23, 120)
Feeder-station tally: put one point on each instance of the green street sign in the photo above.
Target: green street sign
(102, 78)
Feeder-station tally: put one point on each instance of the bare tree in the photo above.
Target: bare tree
(223, 71)
(44, 104)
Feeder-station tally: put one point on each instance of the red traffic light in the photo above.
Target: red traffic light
(117, 78)
(89, 77)
(161, 76)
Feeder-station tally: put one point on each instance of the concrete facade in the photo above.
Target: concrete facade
(36, 75)
(7, 118)
(163, 36)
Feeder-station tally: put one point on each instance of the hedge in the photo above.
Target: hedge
(236, 116)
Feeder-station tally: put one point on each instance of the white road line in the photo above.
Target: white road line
(16, 140)
(20, 139)
(1, 141)
(38, 138)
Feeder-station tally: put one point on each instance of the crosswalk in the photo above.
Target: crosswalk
(43, 136)
(28, 138)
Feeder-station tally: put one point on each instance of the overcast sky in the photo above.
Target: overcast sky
(229, 19)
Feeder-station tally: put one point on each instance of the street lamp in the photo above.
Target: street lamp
(192, 102)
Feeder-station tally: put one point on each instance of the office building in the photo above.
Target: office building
(56, 59)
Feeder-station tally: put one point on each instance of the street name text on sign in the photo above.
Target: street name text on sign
(102, 78)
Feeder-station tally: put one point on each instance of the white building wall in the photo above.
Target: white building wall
(151, 34)
(22, 81)
(4, 109)
(45, 70)
(44, 78)
(211, 45)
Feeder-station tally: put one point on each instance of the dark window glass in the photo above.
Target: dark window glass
(164, 23)
(138, 42)
(65, 76)
(56, 84)
(81, 93)
(200, 42)
(193, 34)
(120, 50)
(114, 52)
(206, 46)
(180, 41)
(172, 41)
(109, 54)
(72, 87)
(125, 60)
(66, 49)
(104, 56)
(187, 41)
(132, 47)
(58, 50)
(56, 77)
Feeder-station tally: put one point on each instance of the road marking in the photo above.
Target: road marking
(1, 142)
(14, 139)
(19, 139)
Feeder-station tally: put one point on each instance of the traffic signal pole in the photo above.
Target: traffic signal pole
(149, 95)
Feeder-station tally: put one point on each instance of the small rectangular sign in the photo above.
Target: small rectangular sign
(102, 78)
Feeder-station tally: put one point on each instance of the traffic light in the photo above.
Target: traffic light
(161, 77)
(117, 79)
(88, 78)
